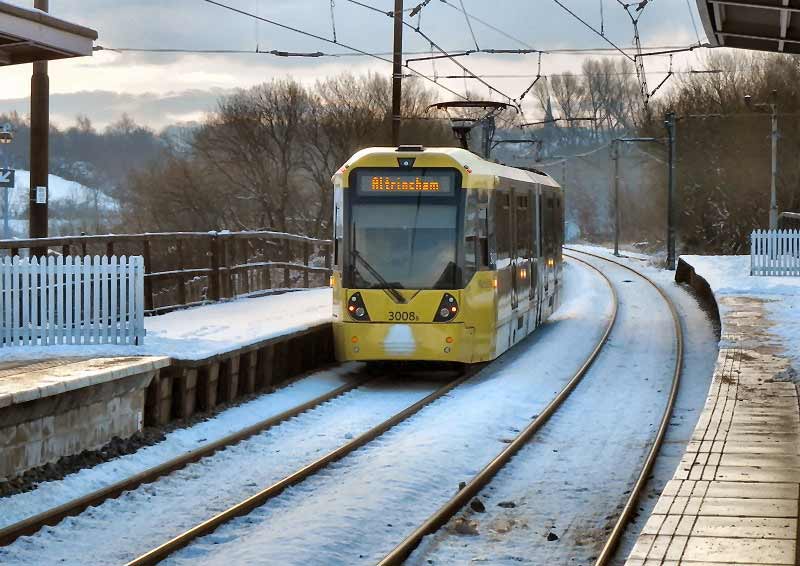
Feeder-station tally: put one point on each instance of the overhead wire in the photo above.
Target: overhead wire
(490, 26)
(592, 28)
(469, 25)
(438, 48)
(325, 39)
(333, 20)
(694, 24)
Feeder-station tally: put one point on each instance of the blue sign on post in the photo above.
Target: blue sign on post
(7, 178)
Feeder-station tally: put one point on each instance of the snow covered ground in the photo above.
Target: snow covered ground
(363, 504)
(200, 332)
(176, 443)
(571, 479)
(729, 276)
(70, 202)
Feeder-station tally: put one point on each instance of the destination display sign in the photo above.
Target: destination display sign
(392, 182)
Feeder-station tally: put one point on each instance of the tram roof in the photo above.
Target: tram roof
(470, 164)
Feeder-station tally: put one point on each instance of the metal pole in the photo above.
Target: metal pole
(670, 124)
(773, 199)
(6, 206)
(40, 126)
(397, 71)
(615, 155)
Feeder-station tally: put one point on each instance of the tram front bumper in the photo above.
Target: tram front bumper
(386, 341)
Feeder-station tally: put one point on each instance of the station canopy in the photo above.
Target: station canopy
(28, 35)
(763, 25)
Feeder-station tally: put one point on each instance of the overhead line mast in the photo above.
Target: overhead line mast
(397, 72)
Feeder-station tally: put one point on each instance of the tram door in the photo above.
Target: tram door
(523, 243)
(514, 248)
(536, 260)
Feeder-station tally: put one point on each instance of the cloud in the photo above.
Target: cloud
(156, 88)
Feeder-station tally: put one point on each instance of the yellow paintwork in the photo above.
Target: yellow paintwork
(472, 330)
(487, 324)
(476, 173)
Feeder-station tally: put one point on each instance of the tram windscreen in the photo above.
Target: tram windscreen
(404, 245)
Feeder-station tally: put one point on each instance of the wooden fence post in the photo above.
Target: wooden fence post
(181, 277)
(287, 253)
(214, 282)
(148, 284)
(306, 258)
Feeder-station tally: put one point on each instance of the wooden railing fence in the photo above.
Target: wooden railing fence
(193, 268)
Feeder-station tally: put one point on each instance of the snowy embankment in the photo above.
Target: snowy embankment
(730, 276)
(73, 206)
(202, 332)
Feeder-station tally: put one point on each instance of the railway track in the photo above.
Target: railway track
(607, 553)
(438, 519)
(170, 547)
(55, 515)
(158, 554)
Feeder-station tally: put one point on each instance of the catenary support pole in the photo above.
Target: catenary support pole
(773, 198)
(615, 184)
(6, 209)
(40, 132)
(670, 124)
(397, 71)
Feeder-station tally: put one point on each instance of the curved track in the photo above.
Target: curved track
(179, 542)
(482, 479)
(622, 521)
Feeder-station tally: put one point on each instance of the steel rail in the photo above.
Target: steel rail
(54, 516)
(399, 554)
(622, 522)
(248, 505)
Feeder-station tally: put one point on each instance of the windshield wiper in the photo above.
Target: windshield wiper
(386, 286)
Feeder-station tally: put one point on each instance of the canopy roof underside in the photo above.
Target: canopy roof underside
(32, 35)
(763, 25)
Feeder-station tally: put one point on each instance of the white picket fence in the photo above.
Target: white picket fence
(775, 252)
(71, 300)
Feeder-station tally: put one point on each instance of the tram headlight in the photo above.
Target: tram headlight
(448, 309)
(357, 308)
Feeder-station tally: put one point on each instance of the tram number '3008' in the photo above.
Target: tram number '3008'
(404, 316)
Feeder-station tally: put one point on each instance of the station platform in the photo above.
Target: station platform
(734, 497)
(58, 401)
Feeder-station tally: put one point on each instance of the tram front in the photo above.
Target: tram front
(399, 276)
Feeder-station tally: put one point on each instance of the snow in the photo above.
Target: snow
(729, 276)
(201, 332)
(50, 494)
(360, 508)
(361, 505)
(59, 189)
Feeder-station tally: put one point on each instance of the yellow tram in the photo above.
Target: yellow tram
(441, 255)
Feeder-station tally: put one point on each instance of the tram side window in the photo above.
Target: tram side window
(502, 219)
(523, 227)
(550, 235)
(471, 236)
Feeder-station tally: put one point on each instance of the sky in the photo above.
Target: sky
(158, 89)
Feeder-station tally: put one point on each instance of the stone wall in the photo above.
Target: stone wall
(43, 430)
